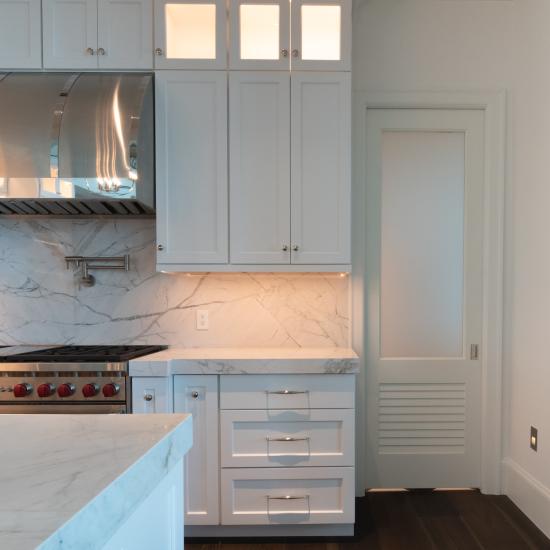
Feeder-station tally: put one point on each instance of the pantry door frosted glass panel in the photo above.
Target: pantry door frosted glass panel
(190, 34)
(321, 35)
(260, 37)
(422, 244)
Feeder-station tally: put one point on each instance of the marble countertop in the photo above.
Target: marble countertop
(246, 361)
(69, 479)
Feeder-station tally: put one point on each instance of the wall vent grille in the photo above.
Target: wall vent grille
(422, 418)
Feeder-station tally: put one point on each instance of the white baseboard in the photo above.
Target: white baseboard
(531, 496)
(215, 531)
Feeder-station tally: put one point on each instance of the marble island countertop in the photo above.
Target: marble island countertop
(246, 361)
(67, 480)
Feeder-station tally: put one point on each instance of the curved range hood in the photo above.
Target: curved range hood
(76, 144)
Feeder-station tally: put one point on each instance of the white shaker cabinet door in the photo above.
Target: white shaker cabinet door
(152, 395)
(20, 25)
(198, 395)
(125, 34)
(321, 168)
(70, 34)
(259, 131)
(191, 134)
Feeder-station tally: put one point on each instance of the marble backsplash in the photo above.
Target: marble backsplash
(41, 302)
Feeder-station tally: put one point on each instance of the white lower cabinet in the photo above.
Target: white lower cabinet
(198, 395)
(268, 449)
(266, 496)
(304, 437)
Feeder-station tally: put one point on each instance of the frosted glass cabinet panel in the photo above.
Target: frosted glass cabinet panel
(190, 34)
(422, 244)
(321, 35)
(260, 34)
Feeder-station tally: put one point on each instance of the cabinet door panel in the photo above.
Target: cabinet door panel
(152, 395)
(260, 34)
(20, 26)
(259, 167)
(190, 34)
(125, 34)
(321, 35)
(198, 395)
(192, 190)
(70, 34)
(321, 162)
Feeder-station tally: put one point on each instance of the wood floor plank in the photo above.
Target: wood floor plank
(486, 523)
(450, 533)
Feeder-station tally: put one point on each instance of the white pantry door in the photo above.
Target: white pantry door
(424, 223)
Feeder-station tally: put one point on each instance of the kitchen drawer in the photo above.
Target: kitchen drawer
(301, 437)
(287, 391)
(269, 496)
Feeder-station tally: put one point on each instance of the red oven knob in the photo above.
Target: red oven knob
(110, 390)
(45, 390)
(22, 390)
(90, 390)
(66, 390)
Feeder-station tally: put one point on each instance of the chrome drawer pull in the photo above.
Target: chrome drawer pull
(288, 497)
(286, 392)
(287, 438)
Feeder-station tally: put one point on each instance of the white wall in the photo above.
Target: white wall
(488, 45)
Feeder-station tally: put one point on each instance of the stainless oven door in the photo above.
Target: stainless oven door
(63, 408)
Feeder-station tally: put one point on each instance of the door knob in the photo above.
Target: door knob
(100, 51)
(195, 394)
(285, 248)
(90, 51)
(284, 53)
(158, 51)
(160, 247)
(295, 53)
(295, 248)
(148, 397)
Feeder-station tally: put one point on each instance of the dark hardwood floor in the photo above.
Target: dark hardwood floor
(420, 520)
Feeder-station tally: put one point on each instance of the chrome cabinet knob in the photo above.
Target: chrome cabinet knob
(295, 248)
(100, 51)
(285, 248)
(160, 247)
(148, 397)
(158, 51)
(90, 51)
(295, 53)
(195, 394)
(284, 53)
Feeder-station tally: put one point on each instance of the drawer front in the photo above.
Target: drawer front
(271, 496)
(301, 437)
(287, 391)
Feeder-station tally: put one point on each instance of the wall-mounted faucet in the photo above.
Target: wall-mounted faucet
(87, 263)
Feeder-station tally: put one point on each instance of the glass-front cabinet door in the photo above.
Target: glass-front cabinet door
(321, 35)
(190, 34)
(260, 34)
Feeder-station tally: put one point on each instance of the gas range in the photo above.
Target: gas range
(67, 379)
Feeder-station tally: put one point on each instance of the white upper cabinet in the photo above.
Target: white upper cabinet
(85, 34)
(191, 135)
(70, 34)
(259, 167)
(280, 35)
(125, 37)
(20, 45)
(259, 34)
(321, 163)
(321, 35)
(190, 34)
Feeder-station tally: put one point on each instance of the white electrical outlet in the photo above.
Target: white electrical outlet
(202, 319)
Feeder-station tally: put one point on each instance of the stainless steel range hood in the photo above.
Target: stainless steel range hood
(76, 144)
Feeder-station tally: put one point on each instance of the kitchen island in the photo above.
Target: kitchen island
(91, 482)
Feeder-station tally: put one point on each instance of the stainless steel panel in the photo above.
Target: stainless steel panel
(61, 408)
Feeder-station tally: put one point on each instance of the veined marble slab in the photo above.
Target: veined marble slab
(246, 361)
(70, 481)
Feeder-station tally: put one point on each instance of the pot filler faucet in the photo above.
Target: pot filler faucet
(87, 263)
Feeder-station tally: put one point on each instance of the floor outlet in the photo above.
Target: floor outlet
(534, 438)
(202, 319)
